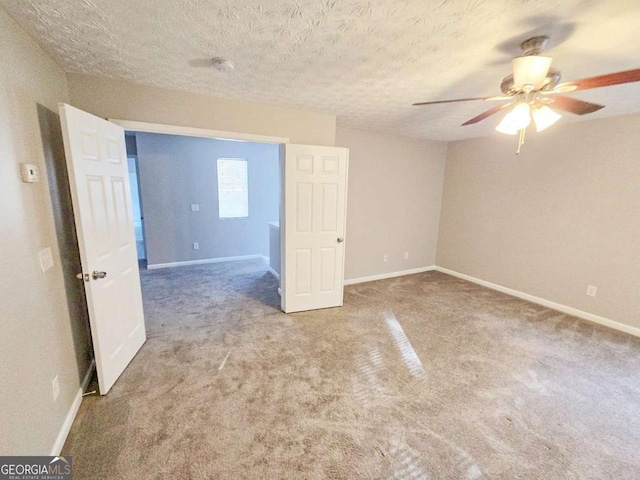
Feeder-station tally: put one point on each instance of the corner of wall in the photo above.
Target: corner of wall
(442, 202)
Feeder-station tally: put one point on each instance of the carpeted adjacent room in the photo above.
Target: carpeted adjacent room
(422, 376)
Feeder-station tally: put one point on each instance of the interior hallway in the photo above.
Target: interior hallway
(422, 376)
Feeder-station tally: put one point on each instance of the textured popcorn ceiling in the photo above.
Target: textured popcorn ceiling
(364, 61)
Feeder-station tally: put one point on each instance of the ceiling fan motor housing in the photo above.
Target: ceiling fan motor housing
(535, 45)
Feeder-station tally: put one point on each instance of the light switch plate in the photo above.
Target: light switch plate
(46, 259)
(29, 172)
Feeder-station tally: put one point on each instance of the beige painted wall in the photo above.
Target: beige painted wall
(393, 205)
(111, 98)
(563, 215)
(37, 341)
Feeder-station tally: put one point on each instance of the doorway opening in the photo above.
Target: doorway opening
(201, 201)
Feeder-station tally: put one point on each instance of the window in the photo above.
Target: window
(233, 189)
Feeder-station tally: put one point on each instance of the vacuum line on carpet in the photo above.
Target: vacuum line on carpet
(224, 361)
(404, 346)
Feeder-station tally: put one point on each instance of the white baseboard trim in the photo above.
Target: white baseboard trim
(73, 411)
(202, 261)
(546, 303)
(274, 273)
(372, 278)
(267, 260)
(66, 426)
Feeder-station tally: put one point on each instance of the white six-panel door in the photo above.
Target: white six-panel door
(98, 176)
(315, 196)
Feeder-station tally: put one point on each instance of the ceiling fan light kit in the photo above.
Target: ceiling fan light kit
(517, 119)
(544, 117)
(534, 87)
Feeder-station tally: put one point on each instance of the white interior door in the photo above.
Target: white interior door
(315, 201)
(99, 180)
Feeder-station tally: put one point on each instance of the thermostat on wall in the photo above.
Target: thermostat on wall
(30, 173)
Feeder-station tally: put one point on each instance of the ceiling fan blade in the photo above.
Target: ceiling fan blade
(488, 113)
(607, 80)
(573, 105)
(498, 97)
(488, 99)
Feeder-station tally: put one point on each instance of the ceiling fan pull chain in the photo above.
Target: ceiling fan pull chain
(521, 140)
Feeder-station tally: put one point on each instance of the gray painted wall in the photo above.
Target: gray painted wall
(562, 215)
(177, 171)
(393, 204)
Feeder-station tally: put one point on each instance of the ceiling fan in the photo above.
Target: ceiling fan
(534, 88)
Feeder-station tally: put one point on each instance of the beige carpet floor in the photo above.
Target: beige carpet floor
(418, 377)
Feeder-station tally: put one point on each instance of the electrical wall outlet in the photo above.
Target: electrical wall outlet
(196, 246)
(406, 255)
(195, 207)
(55, 388)
(46, 259)
(591, 290)
(385, 258)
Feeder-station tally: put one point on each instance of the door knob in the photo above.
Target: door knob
(340, 239)
(96, 274)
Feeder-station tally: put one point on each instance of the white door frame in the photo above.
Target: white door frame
(194, 132)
